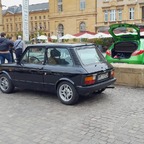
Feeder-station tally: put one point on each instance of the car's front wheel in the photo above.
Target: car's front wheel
(6, 85)
(67, 93)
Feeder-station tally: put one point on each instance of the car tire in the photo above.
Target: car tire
(99, 91)
(6, 85)
(67, 93)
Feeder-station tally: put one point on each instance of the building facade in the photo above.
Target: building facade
(1, 21)
(119, 11)
(59, 17)
(72, 16)
(38, 20)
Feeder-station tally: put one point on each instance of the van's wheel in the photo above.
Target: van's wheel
(99, 91)
(6, 85)
(67, 93)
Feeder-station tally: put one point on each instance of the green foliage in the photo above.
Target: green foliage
(74, 40)
(66, 40)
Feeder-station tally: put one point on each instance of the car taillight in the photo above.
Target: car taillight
(108, 52)
(137, 52)
(89, 80)
(112, 74)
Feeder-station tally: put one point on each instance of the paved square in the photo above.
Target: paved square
(114, 117)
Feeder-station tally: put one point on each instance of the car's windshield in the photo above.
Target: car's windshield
(89, 55)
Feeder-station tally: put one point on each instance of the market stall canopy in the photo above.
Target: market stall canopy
(53, 37)
(81, 33)
(42, 37)
(101, 35)
(142, 33)
(68, 36)
(85, 35)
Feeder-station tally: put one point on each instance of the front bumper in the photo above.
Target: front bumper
(90, 89)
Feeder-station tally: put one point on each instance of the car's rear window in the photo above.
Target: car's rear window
(89, 55)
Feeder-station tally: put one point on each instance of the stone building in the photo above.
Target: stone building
(59, 17)
(119, 11)
(72, 16)
(1, 22)
(38, 20)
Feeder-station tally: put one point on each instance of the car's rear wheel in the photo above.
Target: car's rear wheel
(6, 85)
(67, 93)
(99, 91)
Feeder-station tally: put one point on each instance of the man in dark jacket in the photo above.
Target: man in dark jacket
(5, 46)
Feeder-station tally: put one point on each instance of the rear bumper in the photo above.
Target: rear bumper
(90, 89)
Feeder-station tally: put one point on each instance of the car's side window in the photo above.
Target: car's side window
(59, 56)
(34, 55)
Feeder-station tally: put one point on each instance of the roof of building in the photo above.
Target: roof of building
(32, 8)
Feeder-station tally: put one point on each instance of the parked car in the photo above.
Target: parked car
(70, 70)
(128, 46)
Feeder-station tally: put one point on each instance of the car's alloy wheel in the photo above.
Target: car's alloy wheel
(67, 93)
(6, 85)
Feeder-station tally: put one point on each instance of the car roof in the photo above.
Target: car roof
(61, 44)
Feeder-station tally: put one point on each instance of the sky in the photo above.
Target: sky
(8, 3)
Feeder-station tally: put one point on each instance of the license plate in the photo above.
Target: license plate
(103, 76)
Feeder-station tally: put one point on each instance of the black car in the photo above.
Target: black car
(70, 70)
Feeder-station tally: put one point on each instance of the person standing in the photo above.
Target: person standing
(5, 45)
(11, 50)
(18, 47)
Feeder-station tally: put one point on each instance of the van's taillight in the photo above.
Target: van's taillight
(89, 80)
(108, 52)
(137, 52)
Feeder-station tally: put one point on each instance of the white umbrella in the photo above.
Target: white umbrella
(100, 35)
(53, 37)
(42, 37)
(68, 36)
(142, 33)
(85, 35)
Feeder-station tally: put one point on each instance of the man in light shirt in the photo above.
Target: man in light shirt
(18, 47)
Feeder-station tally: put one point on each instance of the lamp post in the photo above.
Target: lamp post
(25, 19)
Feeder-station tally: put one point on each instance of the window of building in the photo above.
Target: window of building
(35, 26)
(31, 18)
(82, 4)
(60, 6)
(16, 26)
(7, 28)
(31, 26)
(35, 17)
(82, 26)
(120, 15)
(20, 27)
(112, 15)
(131, 13)
(44, 17)
(106, 15)
(39, 17)
(11, 27)
(44, 25)
(143, 13)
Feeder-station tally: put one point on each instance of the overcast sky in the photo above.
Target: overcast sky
(8, 3)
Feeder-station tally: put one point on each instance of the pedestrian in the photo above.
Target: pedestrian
(5, 45)
(18, 47)
(11, 50)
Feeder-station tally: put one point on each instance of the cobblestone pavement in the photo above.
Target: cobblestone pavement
(114, 117)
